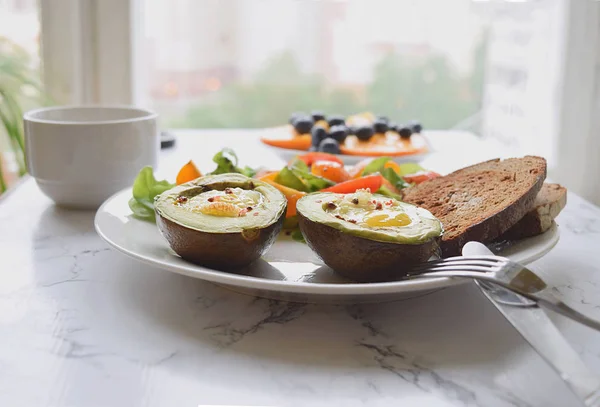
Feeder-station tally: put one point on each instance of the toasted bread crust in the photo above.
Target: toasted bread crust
(549, 202)
(482, 201)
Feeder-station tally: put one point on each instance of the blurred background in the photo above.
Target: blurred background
(523, 73)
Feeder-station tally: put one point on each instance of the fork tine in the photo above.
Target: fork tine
(493, 259)
(458, 263)
(478, 257)
(461, 261)
(442, 268)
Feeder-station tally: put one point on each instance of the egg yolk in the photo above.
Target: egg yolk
(387, 219)
(232, 202)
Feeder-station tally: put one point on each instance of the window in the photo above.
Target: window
(522, 72)
(236, 63)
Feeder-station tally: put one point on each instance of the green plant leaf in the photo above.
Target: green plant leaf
(20, 89)
(3, 186)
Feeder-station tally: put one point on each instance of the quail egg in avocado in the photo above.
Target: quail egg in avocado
(223, 221)
(365, 236)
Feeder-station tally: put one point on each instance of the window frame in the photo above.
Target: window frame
(80, 40)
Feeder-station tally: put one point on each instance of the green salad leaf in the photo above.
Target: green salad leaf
(298, 176)
(227, 162)
(376, 165)
(312, 182)
(145, 188)
(298, 236)
(288, 178)
(410, 168)
(299, 164)
(383, 190)
(395, 179)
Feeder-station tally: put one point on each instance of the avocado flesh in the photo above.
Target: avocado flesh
(362, 253)
(216, 238)
(420, 225)
(266, 210)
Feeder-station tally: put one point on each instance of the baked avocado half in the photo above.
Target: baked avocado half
(223, 221)
(367, 237)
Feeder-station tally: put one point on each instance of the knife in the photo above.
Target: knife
(537, 329)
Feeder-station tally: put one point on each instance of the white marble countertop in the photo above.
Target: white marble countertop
(82, 325)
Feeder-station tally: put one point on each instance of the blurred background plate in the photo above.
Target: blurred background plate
(287, 153)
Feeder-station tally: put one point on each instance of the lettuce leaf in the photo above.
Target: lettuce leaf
(383, 190)
(299, 164)
(298, 236)
(376, 165)
(288, 178)
(145, 188)
(312, 182)
(410, 168)
(227, 162)
(396, 180)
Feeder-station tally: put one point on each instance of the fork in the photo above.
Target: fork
(505, 273)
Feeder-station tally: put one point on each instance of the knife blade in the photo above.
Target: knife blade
(540, 332)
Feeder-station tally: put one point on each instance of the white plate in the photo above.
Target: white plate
(287, 154)
(289, 271)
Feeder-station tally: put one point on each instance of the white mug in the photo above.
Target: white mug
(81, 155)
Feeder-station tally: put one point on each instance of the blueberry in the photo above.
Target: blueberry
(317, 115)
(380, 126)
(405, 132)
(330, 146)
(383, 119)
(392, 126)
(336, 119)
(338, 133)
(295, 116)
(364, 133)
(303, 124)
(318, 134)
(415, 126)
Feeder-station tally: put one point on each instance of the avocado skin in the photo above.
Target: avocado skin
(360, 259)
(222, 251)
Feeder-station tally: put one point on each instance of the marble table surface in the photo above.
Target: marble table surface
(82, 325)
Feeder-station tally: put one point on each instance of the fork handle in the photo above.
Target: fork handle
(547, 299)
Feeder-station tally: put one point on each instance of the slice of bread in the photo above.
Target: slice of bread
(549, 202)
(482, 201)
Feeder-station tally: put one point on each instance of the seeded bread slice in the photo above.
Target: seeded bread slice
(549, 202)
(482, 201)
